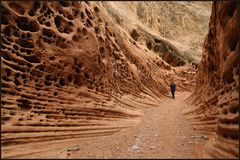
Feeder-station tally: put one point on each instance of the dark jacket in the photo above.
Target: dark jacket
(173, 87)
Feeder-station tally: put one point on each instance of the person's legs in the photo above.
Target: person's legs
(172, 94)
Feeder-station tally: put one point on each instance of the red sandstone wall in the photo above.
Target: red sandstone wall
(217, 90)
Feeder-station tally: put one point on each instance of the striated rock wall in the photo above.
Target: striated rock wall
(217, 90)
(68, 71)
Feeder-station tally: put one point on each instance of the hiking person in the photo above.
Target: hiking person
(173, 88)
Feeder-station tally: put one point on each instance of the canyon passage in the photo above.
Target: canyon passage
(85, 79)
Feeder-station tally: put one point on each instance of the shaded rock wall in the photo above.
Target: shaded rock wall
(217, 90)
(69, 72)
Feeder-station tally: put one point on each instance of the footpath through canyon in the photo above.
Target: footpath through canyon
(163, 132)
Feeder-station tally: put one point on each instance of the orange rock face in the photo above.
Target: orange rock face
(68, 72)
(217, 90)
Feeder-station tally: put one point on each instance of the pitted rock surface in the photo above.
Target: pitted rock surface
(68, 72)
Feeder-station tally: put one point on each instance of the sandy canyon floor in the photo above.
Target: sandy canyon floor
(163, 132)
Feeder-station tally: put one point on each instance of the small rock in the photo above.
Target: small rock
(76, 148)
(135, 147)
(196, 137)
(152, 147)
(205, 137)
(190, 142)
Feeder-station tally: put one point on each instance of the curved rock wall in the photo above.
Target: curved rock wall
(217, 90)
(69, 72)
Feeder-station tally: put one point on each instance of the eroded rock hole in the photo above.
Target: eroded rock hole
(100, 20)
(101, 39)
(233, 109)
(31, 13)
(82, 15)
(149, 45)
(25, 43)
(6, 42)
(24, 104)
(32, 59)
(52, 58)
(157, 40)
(41, 67)
(55, 93)
(47, 83)
(89, 23)
(57, 21)
(49, 11)
(76, 38)
(48, 24)
(96, 9)
(5, 78)
(49, 77)
(47, 32)
(70, 17)
(62, 82)
(135, 35)
(24, 24)
(24, 76)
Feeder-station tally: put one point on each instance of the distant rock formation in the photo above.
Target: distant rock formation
(217, 90)
(173, 30)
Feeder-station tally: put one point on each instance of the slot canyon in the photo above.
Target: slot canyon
(85, 79)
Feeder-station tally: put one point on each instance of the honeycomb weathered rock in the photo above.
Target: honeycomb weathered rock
(67, 73)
